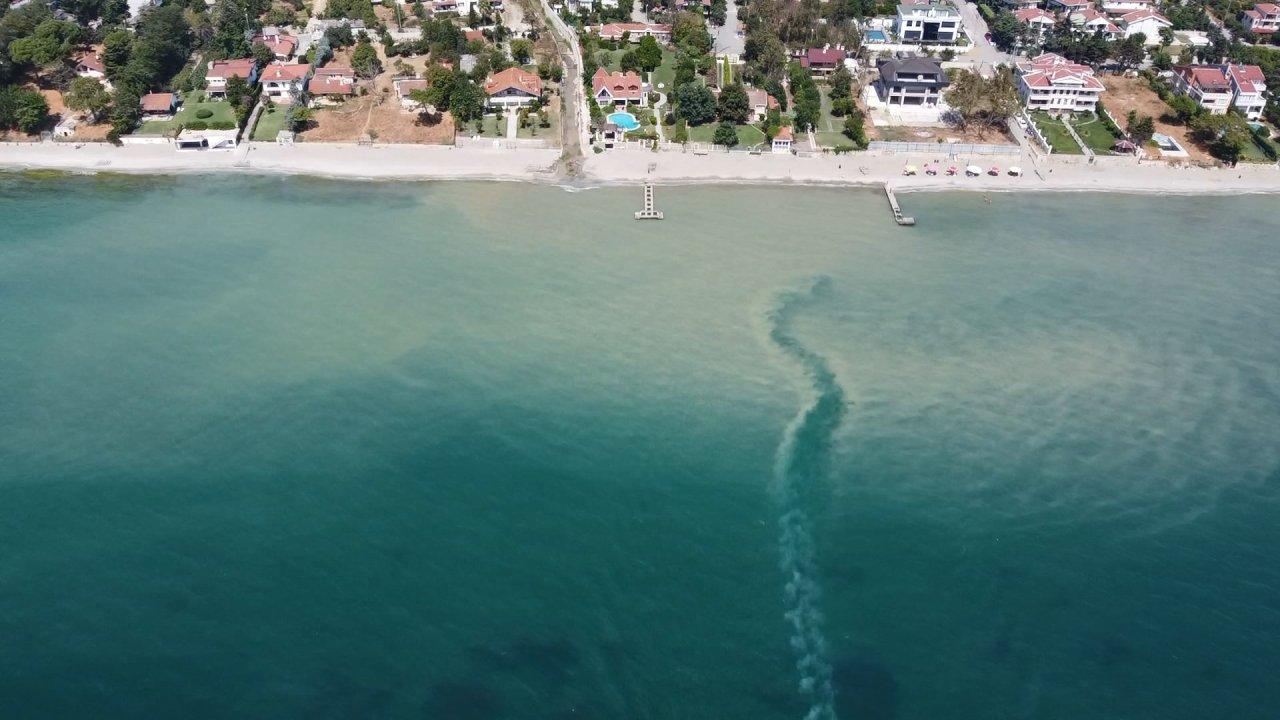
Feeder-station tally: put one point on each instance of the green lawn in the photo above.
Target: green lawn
(665, 74)
(830, 129)
(544, 133)
(194, 102)
(270, 123)
(1253, 153)
(747, 134)
(1056, 133)
(490, 126)
(1094, 132)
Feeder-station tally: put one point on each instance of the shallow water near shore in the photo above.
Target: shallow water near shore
(285, 447)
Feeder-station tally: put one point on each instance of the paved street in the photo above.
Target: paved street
(726, 36)
(982, 53)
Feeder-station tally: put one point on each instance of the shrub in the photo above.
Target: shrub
(204, 113)
(222, 125)
(197, 125)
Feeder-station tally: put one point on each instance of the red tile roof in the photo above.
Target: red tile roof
(1143, 14)
(620, 85)
(157, 102)
(276, 72)
(824, 56)
(1026, 15)
(1050, 69)
(89, 61)
(1206, 78)
(784, 133)
(615, 30)
(227, 68)
(1248, 78)
(513, 77)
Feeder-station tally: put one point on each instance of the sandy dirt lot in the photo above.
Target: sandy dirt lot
(1125, 94)
(933, 134)
(380, 116)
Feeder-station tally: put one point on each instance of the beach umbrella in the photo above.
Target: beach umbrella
(953, 170)
(909, 170)
(995, 170)
(931, 168)
(1015, 171)
(1125, 146)
(973, 170)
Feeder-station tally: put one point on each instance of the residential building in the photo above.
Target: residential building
(1039, 22)
(281, 45)
(822, 61)
(1053, 83)
(513, 87)
(1016, 5)
(1206, 84)
(1124, 7)
(282, 82)
(1068, 6)
(634, 31)
(331, 84)
(1092, 22)
(1263, 19)
(1216, 88)
(219, 71)
(404, 86)
(1248, 87)
(158, 106)
(1148, 22)
(90, 65)
(618, 88)
(783, 141)
(761, 102)
(911, 81)
(931, 24)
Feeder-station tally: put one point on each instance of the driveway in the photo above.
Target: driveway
(984, 55)
(726, 36)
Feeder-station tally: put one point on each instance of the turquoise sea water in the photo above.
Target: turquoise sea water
(289, 448)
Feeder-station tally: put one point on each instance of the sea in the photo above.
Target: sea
(298, 448)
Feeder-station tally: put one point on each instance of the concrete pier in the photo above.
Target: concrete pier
(898, 217)
(648, 213)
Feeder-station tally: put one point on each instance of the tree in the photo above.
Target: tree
(466, 101)
(262, 55)
(339, 36)
(521, 51)
(1139, 127)
(689, 33)
(1184, 108)
(23, 109)
(1006, 31)
(726, 135)
(301, 117)
(629, 61)
(983, 101)
(648, 53)
(854, 130)
(237, 89)
(364, 59)
(87, 95)
(230, 22)
(1226, 135)
(1131, 51)
(695, 104)
(115, 51)
(52, 42)
(718, 13)
(734, 105)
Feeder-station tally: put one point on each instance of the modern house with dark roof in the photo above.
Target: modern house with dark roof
(909, 81)
(928, 23)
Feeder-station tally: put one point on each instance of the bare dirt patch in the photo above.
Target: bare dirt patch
(971, 134)
(380, 116)
(1124, 94)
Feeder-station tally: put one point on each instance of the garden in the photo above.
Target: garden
(270, 123)
(1055, 131)
(1095, 133)
(214, 114)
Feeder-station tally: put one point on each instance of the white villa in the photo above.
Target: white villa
(1148, 22)
(1216, 88)
(618, 88)
(1053, 83)
(1039, 21)
(783, 141)
(929, 23)
(634, 31)
(513, 87)
(283, 83)
(219, 71)
(1123, 7)
(1263, 19)
(1092, 22)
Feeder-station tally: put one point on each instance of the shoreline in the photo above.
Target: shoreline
(619, 167)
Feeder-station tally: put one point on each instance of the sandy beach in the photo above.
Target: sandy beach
(625, 166)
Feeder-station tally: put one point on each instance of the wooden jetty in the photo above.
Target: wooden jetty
(898, 217)
(648, 213)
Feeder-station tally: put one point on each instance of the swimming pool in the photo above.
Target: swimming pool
(877, 36)
(624, 120)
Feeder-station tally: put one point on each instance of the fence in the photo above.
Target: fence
(950, 149)
(474, 141)
(1034, 129)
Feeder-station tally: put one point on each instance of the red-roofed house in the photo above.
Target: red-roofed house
(283, 82)
(761, 103)
(618, 88)
(1020, 4)
(1068, 6)
(1263, 19)
(1148, 22)
(1053, 83)
(331, 84)
(513, 87)
(635, 31)
(1092, 22)
(280, 44)
(1038, 21)
(1218, 87)
(822, 61)
(783, 141)
(158, 106)
(1206, 84)
(219, 71)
